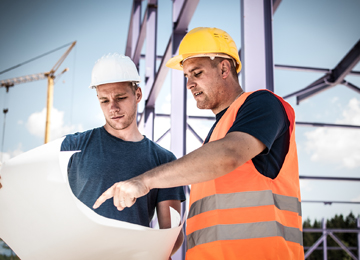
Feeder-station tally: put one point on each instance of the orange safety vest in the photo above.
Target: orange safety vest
(244, 214)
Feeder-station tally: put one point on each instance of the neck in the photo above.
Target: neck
(233, 94)
(130, 134)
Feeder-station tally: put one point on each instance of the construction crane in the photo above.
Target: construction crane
(50, 90)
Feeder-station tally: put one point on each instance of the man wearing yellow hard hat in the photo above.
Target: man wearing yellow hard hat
(245, 194)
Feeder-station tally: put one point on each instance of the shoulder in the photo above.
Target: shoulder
(262, 96)
(73, 141)
(263, 101)
(163, 154)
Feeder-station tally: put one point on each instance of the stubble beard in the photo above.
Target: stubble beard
(124, 125)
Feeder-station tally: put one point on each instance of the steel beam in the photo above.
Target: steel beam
(195, 134)
(330, 202)
(314, 246)
(140, 40)
(332, 78)
(313, 91)
(256, 39)
(317, 83)
(276, 4)
(134, 28)
(333, 230)
(311, 69)
(329, 178)
(342, 246)
(351, 86)
(326, 125)
(160, 77)
(150, 64)
(178, 105)
(323, 222)
(346, 64)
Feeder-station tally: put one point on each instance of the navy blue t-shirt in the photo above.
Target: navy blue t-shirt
(263, 116)
(104, 160)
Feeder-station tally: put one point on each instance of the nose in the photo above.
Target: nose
(189, 84)
(114, 106)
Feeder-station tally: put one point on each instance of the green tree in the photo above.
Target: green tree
(12, 255)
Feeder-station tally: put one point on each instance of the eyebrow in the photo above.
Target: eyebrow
(117, 95)
(190, 71)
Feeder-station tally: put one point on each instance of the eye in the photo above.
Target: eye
(196, 75)
(104, 101)
(120, 98)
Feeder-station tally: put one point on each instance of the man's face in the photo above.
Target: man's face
(204, 82)
(119, 104)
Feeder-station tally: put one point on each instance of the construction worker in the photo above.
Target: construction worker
(245, 194)
(118, 151)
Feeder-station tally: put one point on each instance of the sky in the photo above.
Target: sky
(305, 33)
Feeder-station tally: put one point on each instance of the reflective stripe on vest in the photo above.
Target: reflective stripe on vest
(244, 231)
(245, 199)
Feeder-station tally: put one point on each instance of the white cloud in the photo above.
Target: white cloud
(36, 124)
(338, 145)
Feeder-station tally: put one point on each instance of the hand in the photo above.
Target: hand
(125, 193)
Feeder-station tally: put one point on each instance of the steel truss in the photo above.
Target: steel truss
(330, 232)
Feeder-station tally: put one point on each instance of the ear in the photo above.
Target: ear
(138, 95)
(225, 68)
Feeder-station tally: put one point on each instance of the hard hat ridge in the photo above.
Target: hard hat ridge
(113, 68)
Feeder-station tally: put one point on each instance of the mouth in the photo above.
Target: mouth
(117, 117)
(197, 93)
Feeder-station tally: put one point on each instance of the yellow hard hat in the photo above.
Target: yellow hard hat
(205, 42)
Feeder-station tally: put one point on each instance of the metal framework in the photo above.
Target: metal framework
(330, 232)
(258, 70)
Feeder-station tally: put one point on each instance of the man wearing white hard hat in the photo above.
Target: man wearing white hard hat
(245, 192)
(117, 151)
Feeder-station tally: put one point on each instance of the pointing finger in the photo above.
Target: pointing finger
(109, 193)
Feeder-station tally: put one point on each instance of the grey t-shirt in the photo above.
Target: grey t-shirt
(104, 160)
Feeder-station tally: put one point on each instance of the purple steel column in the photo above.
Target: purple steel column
(178, 105)
(178, 93)
(136, 22)
(325, 239)
(134, 28)
(150, 65)
(178, 108)
(256, 45)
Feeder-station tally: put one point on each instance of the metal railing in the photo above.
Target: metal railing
(330, 232)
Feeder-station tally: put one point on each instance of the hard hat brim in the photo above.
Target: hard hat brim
(176, 61)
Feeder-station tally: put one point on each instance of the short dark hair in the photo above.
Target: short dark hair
(217, 60)
(134, 86)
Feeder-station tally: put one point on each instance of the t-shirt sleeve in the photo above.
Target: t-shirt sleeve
(72, 142)
(176, 193)
(262, 116)
(66, 144)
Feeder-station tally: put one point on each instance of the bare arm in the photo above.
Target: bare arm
(210, 161)
(163, 213)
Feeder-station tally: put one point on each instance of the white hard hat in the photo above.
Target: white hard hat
(114, 68)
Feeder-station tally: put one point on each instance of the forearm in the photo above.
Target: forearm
(206, 163)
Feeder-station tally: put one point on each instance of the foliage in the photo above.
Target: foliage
(5, 257)
(337, 222)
